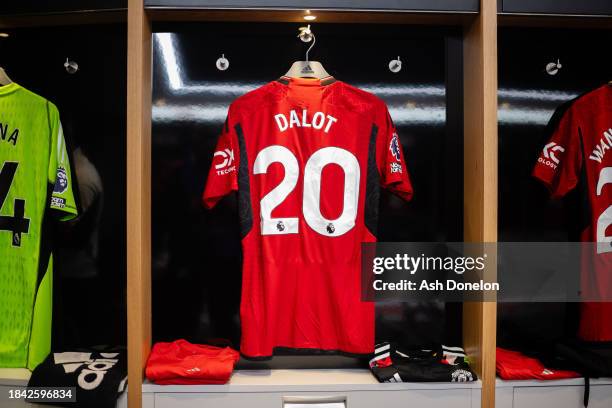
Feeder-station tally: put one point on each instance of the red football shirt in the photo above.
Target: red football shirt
(181, 362)
(581, 149)
(307, 158)
(513, 365)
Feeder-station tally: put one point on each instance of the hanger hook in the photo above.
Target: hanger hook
(314, 40)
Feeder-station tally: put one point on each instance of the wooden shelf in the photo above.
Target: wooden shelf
(296, 16)
(35, 7)
(33, 13)
(551, 383)
(439, 6)
(64, 19)
(14, 376)
(580, 8)
(551, 21)
(306, 380)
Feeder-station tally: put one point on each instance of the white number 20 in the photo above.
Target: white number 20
(311, 205)
(604, 243)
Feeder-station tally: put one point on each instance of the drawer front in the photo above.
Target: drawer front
(504, 397)
(217, 400)
(562, 397)
(456, 398)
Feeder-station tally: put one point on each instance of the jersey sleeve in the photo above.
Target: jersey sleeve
(560, 161)
(223, 173)
(60, 172)
(390, 158)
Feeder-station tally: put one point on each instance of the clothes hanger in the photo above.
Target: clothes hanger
(307, 68)
(4, 78)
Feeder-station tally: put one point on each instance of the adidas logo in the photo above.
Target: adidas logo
(307, 70)
(92, 376)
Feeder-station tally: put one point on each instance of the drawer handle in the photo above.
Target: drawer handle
(328, 401)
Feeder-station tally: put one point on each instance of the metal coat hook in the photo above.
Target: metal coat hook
(395, 65)
(552, 68)
(306, 35)
(71, 66)
(222, 63)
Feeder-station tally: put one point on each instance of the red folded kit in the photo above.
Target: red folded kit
(181, 362)
(512, 365)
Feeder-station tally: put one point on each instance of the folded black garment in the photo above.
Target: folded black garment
(591, 359)
(442, 364)
(98, 375)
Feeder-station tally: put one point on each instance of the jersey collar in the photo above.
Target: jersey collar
(6, 89)
(289, 81)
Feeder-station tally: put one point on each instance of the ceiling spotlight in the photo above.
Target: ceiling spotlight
(4, 35)
(309, 17)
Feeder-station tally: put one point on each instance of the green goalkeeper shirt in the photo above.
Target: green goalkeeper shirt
(35, 185)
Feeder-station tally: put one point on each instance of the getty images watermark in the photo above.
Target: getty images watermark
(428, 271)
(407, 264)
(503, 272)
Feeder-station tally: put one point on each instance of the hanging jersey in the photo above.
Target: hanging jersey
(35, 176)
(307, 158)
(580, 152)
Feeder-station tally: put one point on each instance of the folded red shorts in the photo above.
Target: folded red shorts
(181, 362)
(513, 365)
